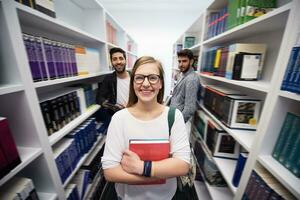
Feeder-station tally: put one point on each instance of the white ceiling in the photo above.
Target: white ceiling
(166, 5)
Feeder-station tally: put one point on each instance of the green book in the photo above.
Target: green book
(242, 11)
(295, 152)
(232, 14)
(289, 142)
(282, 135)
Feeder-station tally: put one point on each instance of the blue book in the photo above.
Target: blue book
(289, 68)
(239, 169)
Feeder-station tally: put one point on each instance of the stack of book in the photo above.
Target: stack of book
(72, 192)
(291, 79)
(9, 156)
(206, 164)
(234, 109)
(189, 41)
(242, 11)
(88, 60)
(60, 109)
(49, 59)
(262, 185)
(68, 151)
(216, 23)
(45, 6)
(239, 61)
(111, 33)
(287, 147)
(19, 188)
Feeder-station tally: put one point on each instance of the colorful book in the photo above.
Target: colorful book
(151, 149)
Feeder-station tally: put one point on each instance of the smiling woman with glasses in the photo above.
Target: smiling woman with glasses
(145, 119)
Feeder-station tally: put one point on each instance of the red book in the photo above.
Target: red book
(153, 150)
(7, 145)
(3, 164)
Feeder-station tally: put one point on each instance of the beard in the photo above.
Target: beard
(120, 69)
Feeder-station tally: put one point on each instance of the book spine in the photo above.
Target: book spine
(282, 135)
(40, 58)
(8, 145)
(239, 169)
(33, 63)
(45, 108)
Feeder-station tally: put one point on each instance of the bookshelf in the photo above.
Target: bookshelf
(277, 29)
(83, 24)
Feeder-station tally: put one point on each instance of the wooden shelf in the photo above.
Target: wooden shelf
(290, 95)
(27, 155)
(289, 180)
(273, 20)
(254, 85)
(69, 79)
(243, 137)
(10, 88)
(55, 137)
(100, 142)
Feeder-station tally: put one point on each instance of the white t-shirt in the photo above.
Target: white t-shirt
(122, 90)
(123, 127)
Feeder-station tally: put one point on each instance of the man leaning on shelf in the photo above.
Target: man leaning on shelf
(113, 91)
(184, 96)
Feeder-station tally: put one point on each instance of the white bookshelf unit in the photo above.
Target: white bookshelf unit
(83, 23)
(277, 29)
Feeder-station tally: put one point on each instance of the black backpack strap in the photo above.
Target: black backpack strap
(171, 118)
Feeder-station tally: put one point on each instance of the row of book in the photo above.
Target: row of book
(60, 108)
(69, 150)
(50, 59)
(263, 186)
(287, 148)
(19, 188)
(45, 6)
(89, 174)
(189, 41)
(111, 33)
(238, 12)
(131, 60)
(72, 192)
(239, 61)
(9, 155)
(233, 108)
(291, 79)
(216, 23)
(211, 173)
(219, 143)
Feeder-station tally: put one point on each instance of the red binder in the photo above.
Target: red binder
(153, 150)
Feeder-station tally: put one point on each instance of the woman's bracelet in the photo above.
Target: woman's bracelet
(147, 168)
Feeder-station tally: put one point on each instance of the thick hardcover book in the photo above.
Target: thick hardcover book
(46, 7)
(40, 57)
(153, 150)
(49, 54)
(32, 57)
(7, 145)
(45, 108)
(3, 164)
(239, 169)
(246, 66)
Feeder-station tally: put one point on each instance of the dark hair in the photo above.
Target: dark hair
(141, 61)
(186, 53)
(115, 50)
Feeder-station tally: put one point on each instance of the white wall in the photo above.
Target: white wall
(155, 32)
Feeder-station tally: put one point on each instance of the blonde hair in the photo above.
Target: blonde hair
(133, 99)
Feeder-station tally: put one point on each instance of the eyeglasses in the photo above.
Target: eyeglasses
(140, 78)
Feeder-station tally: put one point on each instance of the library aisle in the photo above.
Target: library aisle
(245, 134)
